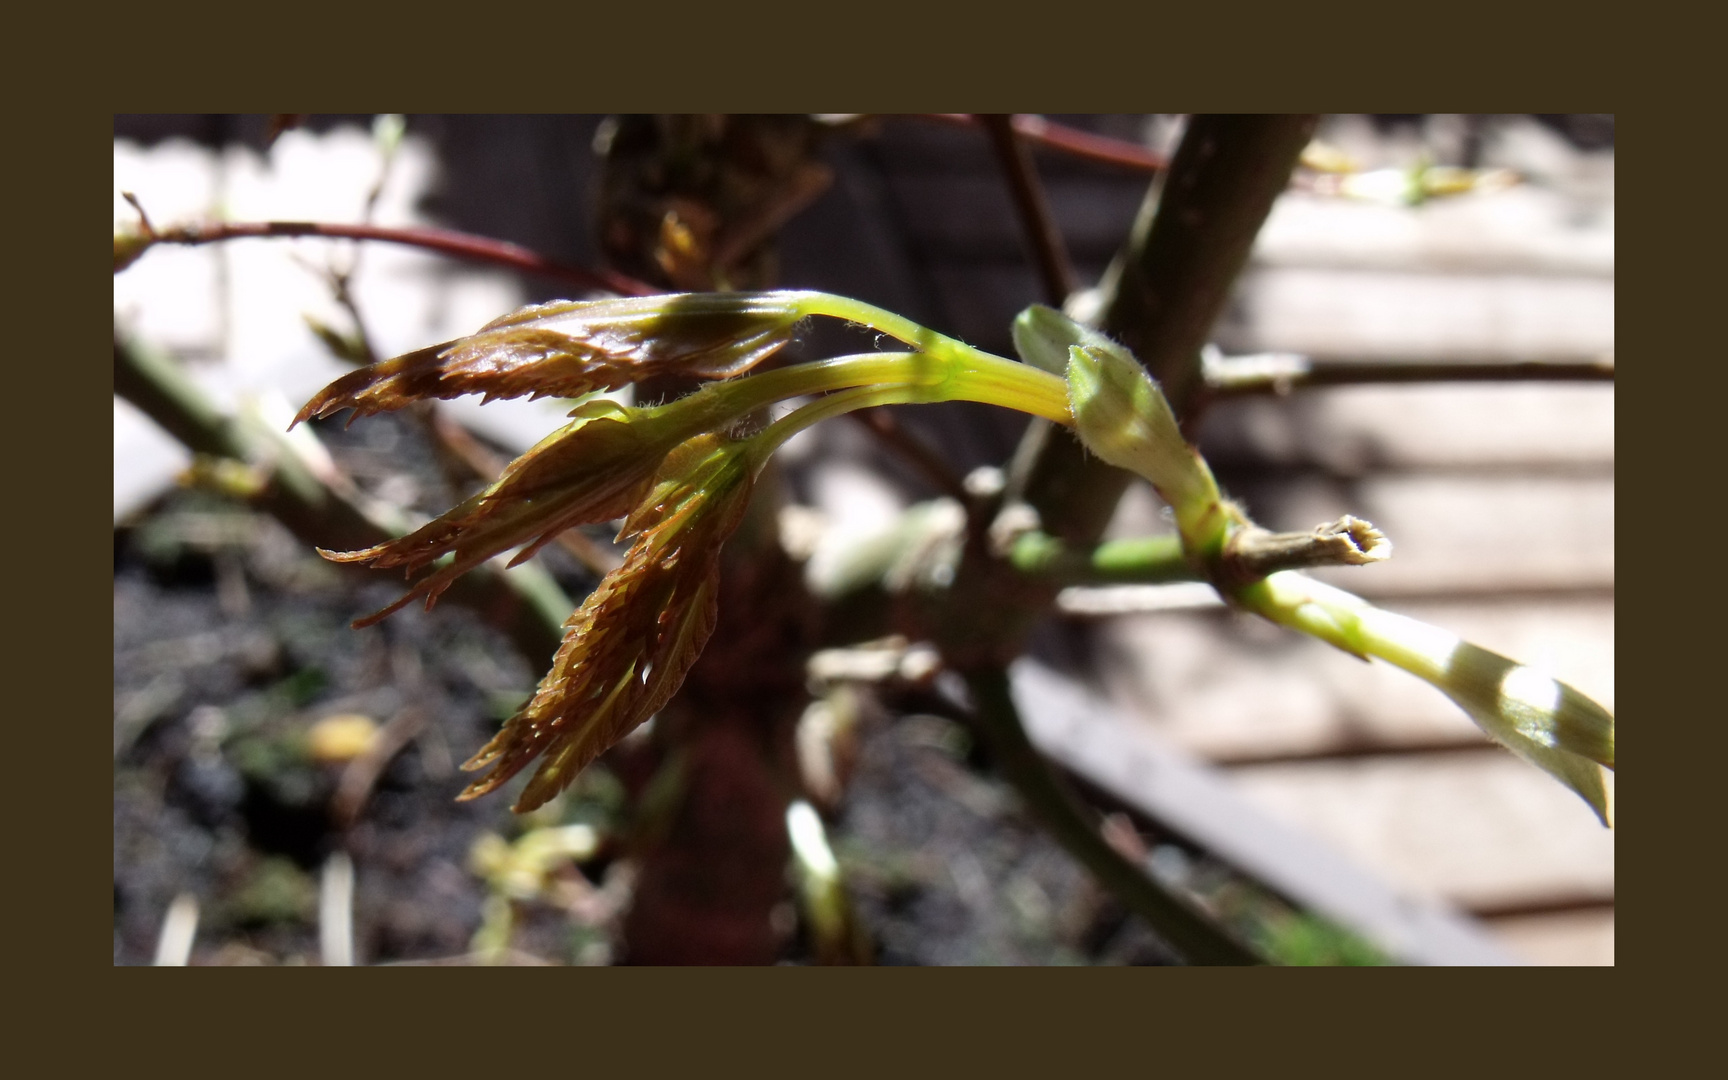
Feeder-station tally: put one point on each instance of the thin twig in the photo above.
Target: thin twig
(341, 287)
(1280, 373)
(342, 278)
(144, 223)
(1165, 292)
(529, 609)
(1036, 220)
(914, 451)
(1072, 141)
(361, 774)
(1227, 173)
(444, 241)
(451, 439)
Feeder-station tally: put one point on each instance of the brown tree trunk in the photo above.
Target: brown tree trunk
(692, 202)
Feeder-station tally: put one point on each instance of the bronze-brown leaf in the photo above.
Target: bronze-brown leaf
(628, 647)
(571, 348)
(596, 469)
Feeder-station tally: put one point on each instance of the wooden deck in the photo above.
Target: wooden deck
(1499, 500)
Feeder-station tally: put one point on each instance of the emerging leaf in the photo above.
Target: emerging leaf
(627, 648)
(571, 348)
(1043, 336)
(596, 469)
(1121, 415)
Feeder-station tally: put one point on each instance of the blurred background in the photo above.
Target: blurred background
(284, 784)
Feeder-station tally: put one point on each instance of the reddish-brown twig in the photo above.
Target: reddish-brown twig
(445, 241)
(1083, 144)
(1049, 254)
(929, 464)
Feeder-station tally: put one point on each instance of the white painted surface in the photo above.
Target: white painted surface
(236, 312)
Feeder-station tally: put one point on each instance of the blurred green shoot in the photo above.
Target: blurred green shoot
(836, 936)
(526, 871)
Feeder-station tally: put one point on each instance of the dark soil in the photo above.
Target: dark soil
(231, 642)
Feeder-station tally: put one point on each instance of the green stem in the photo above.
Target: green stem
(1545, 721)
(922, 338)
(964, 362)
(845, 401)
(959, 373)
(1026, 395)
(1190, 933)
(1147, 560)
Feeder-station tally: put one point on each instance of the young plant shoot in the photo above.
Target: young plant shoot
(681, 474)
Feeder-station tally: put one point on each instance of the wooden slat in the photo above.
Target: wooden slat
(1474, 533)
(1527, 230)
(1369, 314)
(1228, 686)
(1575, 938)
(1474, 828)
(1135, 766)
(1479, 533)
(1352, 430)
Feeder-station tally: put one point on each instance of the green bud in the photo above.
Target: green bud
(1122, 416)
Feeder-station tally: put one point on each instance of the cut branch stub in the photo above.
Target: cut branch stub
(1252, 553)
